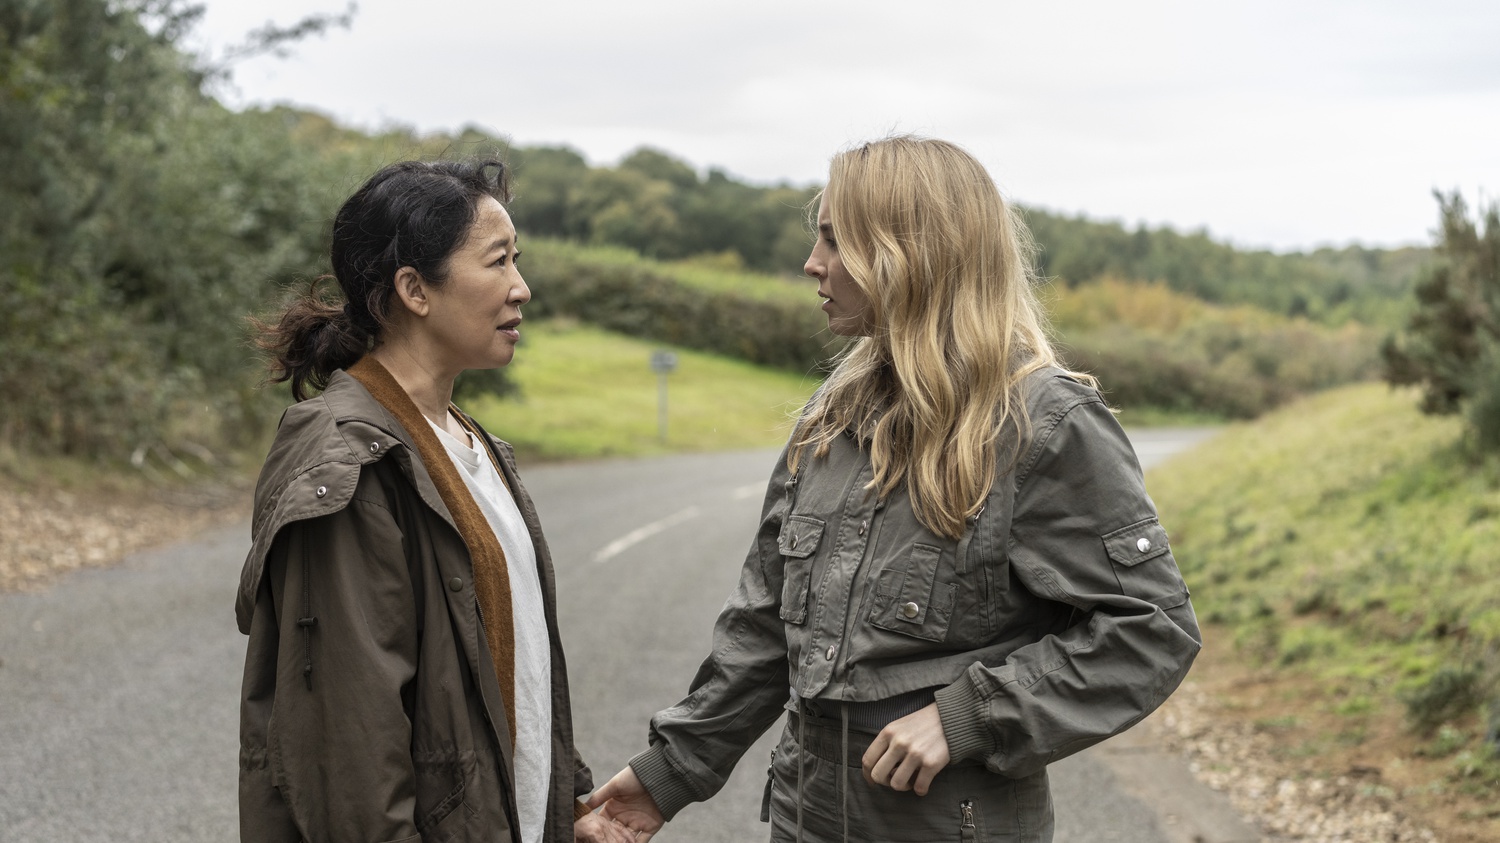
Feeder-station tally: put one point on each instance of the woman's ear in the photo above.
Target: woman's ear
(411, 289)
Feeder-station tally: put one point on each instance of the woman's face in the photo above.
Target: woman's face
(847, 306)
(474, 316)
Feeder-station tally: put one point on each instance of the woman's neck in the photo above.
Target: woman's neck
(430, 390)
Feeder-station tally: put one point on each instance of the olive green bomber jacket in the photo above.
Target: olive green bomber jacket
(370, 710)
(1057, 620)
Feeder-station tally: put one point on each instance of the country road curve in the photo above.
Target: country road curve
(119, 687)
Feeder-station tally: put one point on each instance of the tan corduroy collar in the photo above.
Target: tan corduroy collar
(491, 577)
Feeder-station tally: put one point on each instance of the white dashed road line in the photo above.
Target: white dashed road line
(749, 491)
(640, 534)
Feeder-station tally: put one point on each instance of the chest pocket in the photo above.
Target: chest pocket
(799, 540)
(1143, 562)
(909, 600)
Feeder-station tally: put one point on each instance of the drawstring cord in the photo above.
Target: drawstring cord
(843, 764)
(844, 767)
(801, 759)
(306, 622)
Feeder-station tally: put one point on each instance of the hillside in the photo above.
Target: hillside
(1342, 556)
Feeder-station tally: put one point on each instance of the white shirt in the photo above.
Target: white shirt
(533, 691)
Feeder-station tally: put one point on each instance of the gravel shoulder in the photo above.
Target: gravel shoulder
(47, 532)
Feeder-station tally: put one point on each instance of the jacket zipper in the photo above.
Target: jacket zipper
(966, 828)
(961, 553)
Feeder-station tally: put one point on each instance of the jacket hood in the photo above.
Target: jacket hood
(313, 469)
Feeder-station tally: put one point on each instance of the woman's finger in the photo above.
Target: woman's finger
(873, 756)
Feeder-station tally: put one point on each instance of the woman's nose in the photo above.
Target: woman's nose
(520, 294)
(813, 266)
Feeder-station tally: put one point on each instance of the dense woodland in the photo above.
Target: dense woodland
(141, 221)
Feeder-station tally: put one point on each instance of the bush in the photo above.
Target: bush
(1449, 694)
(770, 331)
(1152, 347)
(1450, 345)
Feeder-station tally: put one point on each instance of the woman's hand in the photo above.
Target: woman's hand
(626, 802)
(592, 828)
(908, 753)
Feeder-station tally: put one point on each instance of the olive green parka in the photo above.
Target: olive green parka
(370, 708)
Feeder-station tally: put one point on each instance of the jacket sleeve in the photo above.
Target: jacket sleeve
(340, 736)
(1083, 533)
(741, 687)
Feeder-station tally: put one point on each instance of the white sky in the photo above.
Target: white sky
(1280, 123)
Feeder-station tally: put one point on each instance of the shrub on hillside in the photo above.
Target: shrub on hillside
(1451, 347)
(784, 333)
(1153, 347)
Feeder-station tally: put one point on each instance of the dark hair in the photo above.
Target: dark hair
(412, 213)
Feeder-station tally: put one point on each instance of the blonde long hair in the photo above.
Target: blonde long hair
(946, 265)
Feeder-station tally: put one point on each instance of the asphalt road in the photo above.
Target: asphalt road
(119, 687)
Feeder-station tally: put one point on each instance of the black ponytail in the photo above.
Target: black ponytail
(412, 213)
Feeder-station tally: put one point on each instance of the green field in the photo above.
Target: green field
(589, 393)
(1352, 542)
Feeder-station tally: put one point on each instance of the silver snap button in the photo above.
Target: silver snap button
(910, 610)
(1143, 545)
(456, 584)
(794, 542)
(863, 526)
(831, 650)
(374, 447)
(322, 490)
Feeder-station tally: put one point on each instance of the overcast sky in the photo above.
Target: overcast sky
(1271, 123)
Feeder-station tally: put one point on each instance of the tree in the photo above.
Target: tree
(140, 221)
(1451, 347)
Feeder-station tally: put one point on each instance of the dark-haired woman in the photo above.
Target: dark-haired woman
(404, 679)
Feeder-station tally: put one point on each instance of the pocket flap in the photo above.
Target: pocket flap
(800, 536)
(1137, 543)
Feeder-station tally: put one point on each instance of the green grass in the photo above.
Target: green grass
(589, 393)
(1353, 541)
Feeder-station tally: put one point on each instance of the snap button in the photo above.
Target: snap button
(910, 610)
(863, 526)
(1143, 545)
(794, 541)
(374, 447)
(456, 584)
(832, 648)
(322, 490)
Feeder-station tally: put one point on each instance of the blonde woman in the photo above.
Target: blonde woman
(958, 577)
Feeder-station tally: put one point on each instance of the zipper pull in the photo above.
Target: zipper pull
(966, 826)
(765, 800)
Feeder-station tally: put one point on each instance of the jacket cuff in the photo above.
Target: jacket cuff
(580, 810)
(669, 788)
(962, 711)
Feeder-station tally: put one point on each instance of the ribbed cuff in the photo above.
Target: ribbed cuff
(962, 711)
(580, 810)
(668, 788)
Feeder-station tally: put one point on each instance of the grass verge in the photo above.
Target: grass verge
(590, 393)
(1346, 549)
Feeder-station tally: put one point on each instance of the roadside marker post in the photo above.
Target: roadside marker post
(663, 363)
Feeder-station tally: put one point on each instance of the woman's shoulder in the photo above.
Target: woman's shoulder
(321, 447)
(1052, 390)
